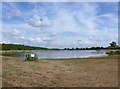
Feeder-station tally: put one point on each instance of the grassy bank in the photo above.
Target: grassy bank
(110, 53)
(85, 72)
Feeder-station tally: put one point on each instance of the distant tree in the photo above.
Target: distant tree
(113, 45)
(72, 49)
(77, 48)
(65, 48)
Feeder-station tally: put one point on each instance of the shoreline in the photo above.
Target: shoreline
(93, 57)
(84, 57)
(7, 51)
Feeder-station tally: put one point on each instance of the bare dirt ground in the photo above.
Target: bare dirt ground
(82, 72)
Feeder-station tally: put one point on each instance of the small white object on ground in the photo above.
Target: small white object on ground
(32, 55)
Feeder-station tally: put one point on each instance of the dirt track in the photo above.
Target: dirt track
(89, 72)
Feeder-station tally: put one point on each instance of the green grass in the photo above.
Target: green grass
(113, 53)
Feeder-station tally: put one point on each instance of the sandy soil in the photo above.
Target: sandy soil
(87, 72)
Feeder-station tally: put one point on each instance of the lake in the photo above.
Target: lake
(52, 54)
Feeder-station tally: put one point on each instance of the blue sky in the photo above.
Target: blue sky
(60, 24)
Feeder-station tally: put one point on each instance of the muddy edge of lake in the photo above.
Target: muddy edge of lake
(85, 72)
(7, 51)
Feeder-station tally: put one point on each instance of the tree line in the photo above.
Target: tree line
(19, 47)
(112, 45)
(4, 46)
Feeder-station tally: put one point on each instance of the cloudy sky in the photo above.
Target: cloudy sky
(60, 24)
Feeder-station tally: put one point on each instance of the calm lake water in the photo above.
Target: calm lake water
(64, 54)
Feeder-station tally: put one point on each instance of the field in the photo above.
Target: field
(82, 72)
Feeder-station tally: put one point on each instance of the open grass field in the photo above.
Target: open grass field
(82, 72)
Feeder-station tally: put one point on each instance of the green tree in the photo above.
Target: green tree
(113, 45)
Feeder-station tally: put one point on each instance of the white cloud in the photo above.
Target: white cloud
(36, 21)
(16, 31)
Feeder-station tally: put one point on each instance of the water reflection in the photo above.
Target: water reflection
(66, 54)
